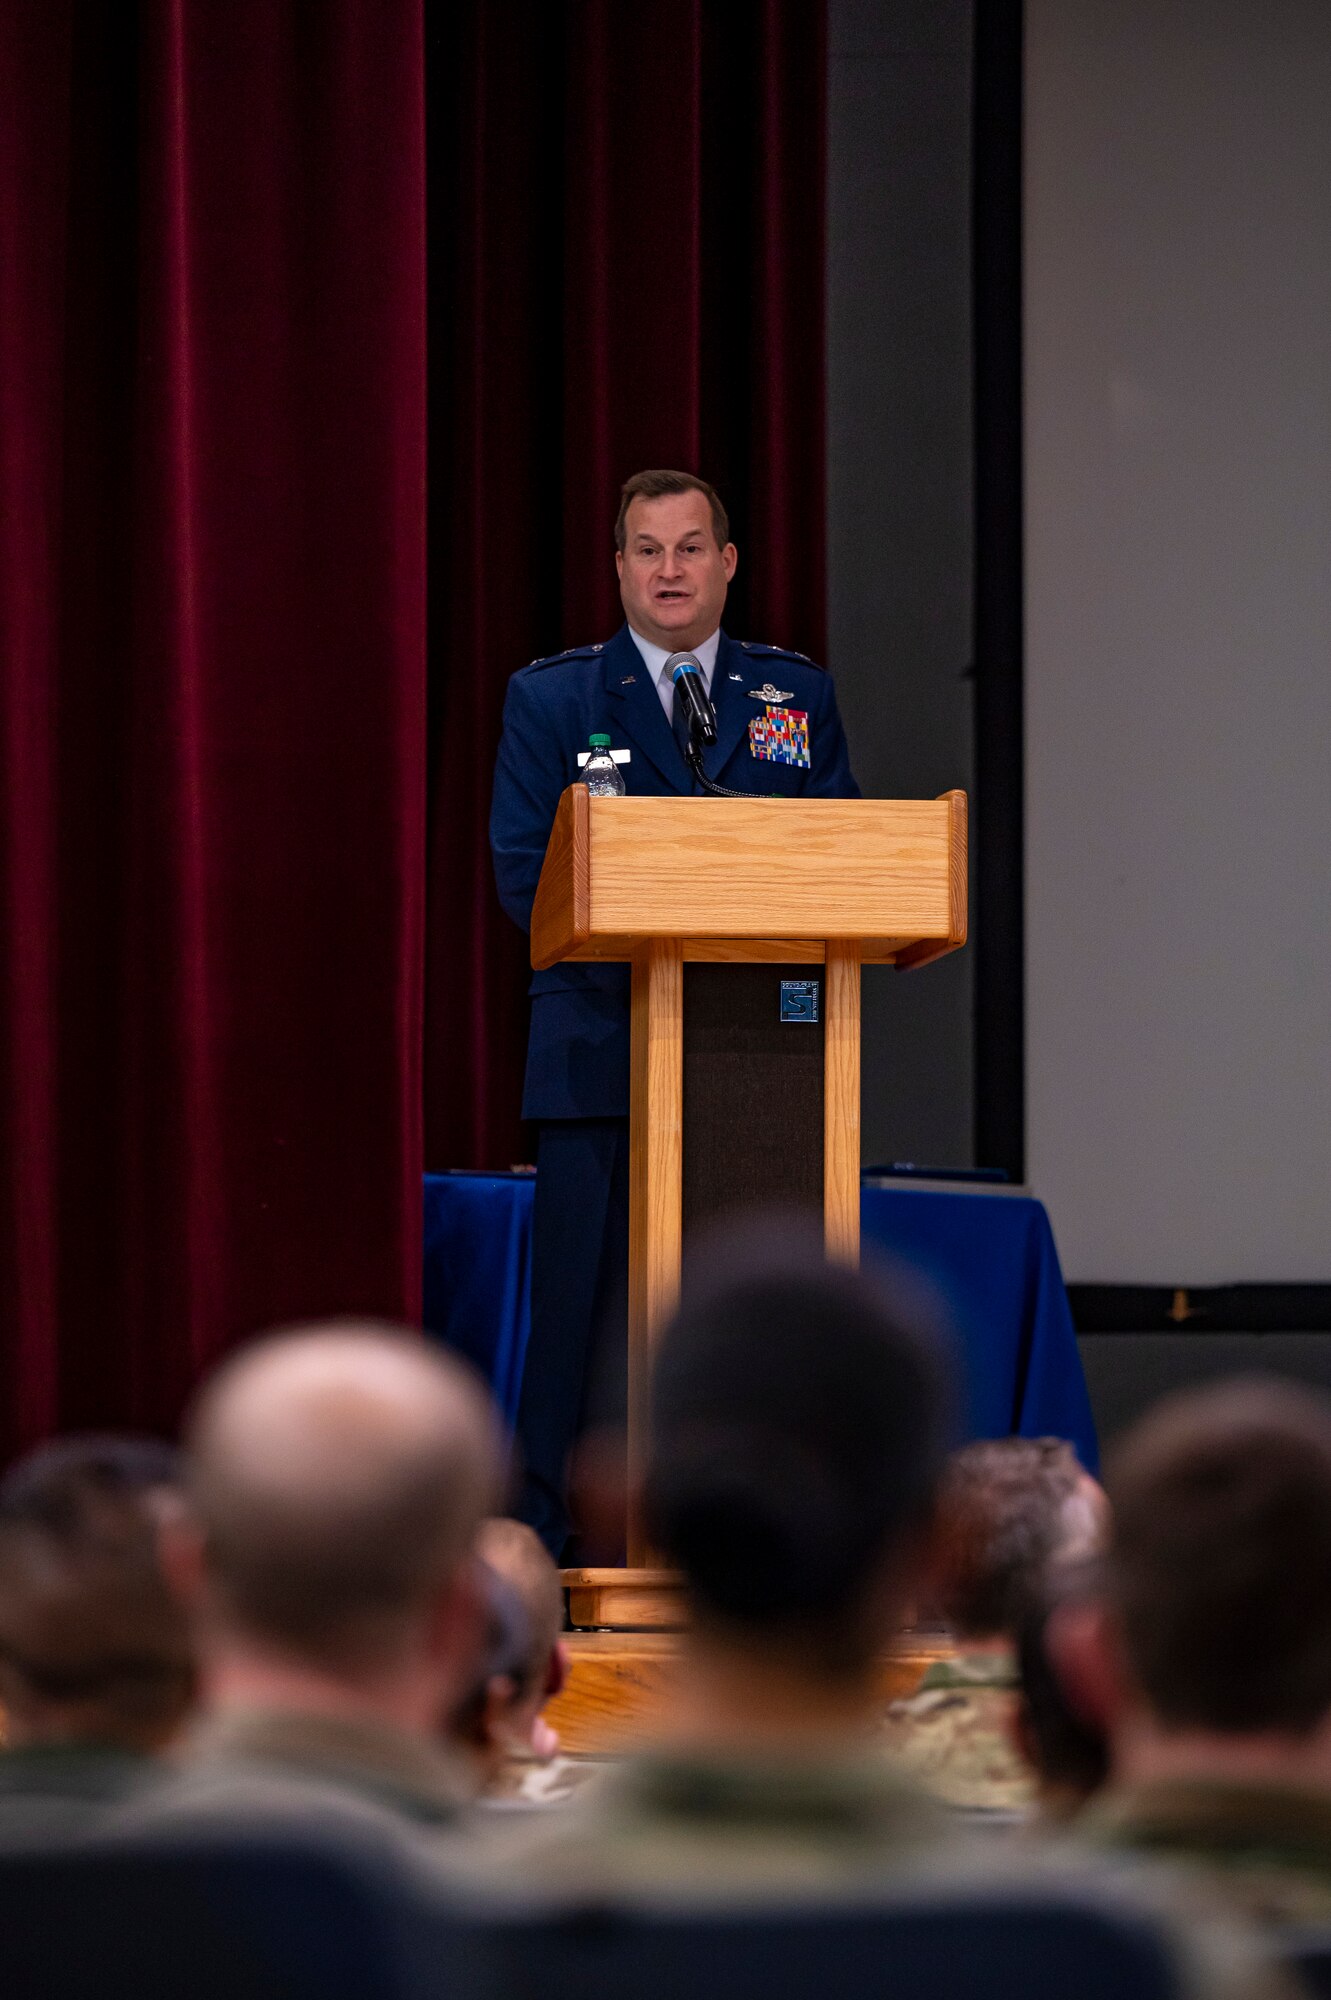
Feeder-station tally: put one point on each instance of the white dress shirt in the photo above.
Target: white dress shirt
(655, 657)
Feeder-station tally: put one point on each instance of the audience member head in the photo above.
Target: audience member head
(337, 1475)
(797, 1431)
(1066, 1749)
(94, 1648)
(1008, 1508)
(523, 1664)
(1211, 1649)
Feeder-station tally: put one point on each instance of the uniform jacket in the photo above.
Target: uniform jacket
(1264, 1850)
(694, 1829)
(351, 1773)
(578, 1055)
(955, 1735)
(58, 1791)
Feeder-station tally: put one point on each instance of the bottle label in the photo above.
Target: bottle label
(619, 756)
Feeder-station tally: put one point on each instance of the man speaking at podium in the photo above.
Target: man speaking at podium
(777, 732)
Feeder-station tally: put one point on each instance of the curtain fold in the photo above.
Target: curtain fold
(213, 724)
(212, 418)
(626, 269)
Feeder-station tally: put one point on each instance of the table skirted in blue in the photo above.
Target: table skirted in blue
(989, 1257)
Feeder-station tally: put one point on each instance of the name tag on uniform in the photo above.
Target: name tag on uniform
(781, 736)
(620, 756)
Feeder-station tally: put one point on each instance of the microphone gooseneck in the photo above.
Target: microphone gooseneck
(706, 784)
(686, 673)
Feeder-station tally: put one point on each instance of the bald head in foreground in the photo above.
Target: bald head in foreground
(336, 1477)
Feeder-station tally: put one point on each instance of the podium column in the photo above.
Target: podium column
(656, 1183)
(841, 1102)
(656, 880)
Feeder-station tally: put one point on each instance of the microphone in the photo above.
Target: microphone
(686, 673)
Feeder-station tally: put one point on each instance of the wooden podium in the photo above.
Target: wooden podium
(778, 886)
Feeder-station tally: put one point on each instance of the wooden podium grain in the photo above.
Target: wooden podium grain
(618, 1681)
(661, 882)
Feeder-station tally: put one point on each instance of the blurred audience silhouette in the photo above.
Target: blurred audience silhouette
(797, 1434)
(96, 1672)
(336, 1479)
(311, 1619)
(1208, 1653)
(501, 1724)
(1008, 1510)
(1065, 1746)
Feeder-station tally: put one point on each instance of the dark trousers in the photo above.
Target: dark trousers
(574, 1374)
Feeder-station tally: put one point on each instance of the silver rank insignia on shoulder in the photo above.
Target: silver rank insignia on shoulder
(769, 693)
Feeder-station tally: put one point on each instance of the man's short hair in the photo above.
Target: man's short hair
(1220, 1556)
(1006, 1508)
(86, 1616)
(338, 1474)
(654, 486)
(797, 1423)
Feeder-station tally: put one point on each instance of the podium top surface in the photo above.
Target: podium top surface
(752, 878)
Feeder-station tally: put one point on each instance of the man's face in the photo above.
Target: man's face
(672, 575)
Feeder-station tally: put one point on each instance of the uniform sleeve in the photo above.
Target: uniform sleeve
(528, 782)
(830, 775)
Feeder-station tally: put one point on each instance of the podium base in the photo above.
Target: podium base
(625, 1600)
(618, 1683)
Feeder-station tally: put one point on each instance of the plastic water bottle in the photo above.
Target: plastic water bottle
(600, 773)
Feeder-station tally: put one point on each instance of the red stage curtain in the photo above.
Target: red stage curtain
(213, 708)
(626, 243)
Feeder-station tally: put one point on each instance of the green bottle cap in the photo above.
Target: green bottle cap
(599, 742)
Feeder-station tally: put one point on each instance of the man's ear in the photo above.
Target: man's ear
(730, 561)
(1085, 1650)
(500, 1691)
(619, 563)
(181, 1552)
(457, 1627)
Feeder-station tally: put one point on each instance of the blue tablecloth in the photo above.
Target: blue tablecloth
(990, 1257)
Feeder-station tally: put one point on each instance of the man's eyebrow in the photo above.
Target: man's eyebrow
(642, 540)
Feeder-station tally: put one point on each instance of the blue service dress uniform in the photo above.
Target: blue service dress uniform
(778, 732)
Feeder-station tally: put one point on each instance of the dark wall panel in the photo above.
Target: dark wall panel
(1127, 1372)
(900, 497)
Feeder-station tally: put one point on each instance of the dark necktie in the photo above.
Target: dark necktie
(679, 722)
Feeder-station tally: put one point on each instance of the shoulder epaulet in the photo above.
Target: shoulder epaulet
(756, 647)
(558, 659)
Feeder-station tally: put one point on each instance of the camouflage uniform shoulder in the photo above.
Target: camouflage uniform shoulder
(1265, 1850)
(702, 1830)
(524, 1780)
(564, 659)
(971, 1670)
(956, 1739)
(758, 651)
